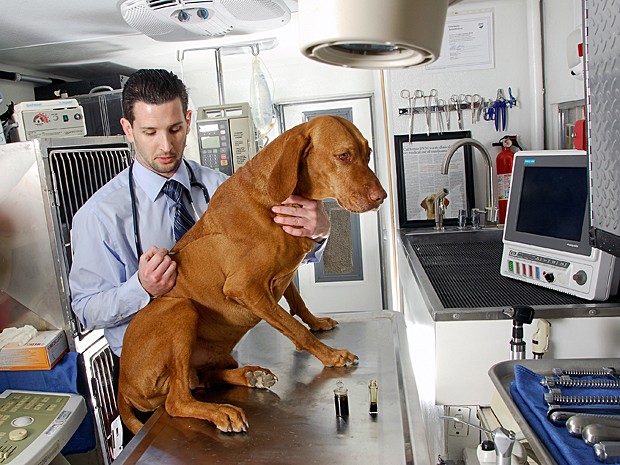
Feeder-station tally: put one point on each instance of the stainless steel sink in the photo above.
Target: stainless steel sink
(453, 235)
(458, 273)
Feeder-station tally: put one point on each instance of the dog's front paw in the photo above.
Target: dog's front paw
(323, 324)
(260, 378)
(340, 358)
(230, 419)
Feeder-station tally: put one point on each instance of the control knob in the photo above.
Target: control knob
(580, 277)
(549, 277)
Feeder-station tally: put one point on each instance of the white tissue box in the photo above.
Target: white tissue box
(42, 352)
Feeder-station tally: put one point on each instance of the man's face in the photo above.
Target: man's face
(158, 133)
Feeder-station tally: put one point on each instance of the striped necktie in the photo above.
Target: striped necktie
(183, 219)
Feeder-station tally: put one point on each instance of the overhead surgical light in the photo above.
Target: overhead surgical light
(370, 33)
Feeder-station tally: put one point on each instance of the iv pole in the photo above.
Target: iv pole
(264, 44)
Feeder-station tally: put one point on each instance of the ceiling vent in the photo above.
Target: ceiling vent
(178, 20)
(372, 34)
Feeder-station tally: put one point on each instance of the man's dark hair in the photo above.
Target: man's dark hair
(152, 86)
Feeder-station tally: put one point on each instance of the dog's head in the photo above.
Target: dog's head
(428, 204)
(334, 164)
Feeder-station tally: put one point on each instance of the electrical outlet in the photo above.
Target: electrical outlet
(456, 428)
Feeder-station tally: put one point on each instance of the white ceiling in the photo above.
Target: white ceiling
(83, 39)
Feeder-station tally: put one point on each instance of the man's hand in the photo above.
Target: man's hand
(302, 217)
(157, 272)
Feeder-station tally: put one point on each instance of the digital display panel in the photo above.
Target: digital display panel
(208, 127)
(553, 202)
(210, 142)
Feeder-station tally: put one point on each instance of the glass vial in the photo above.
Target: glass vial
(341, 400)
(373, 395)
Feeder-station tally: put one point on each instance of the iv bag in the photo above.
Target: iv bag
(261, 105)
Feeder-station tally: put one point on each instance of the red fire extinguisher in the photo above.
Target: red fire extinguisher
(503, 163)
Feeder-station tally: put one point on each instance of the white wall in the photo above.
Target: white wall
(513, 68)
(561, 17)
(295, 77)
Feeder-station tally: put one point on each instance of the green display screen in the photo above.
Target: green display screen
(210, 142)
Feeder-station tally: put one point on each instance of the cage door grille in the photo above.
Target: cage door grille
(76, 175)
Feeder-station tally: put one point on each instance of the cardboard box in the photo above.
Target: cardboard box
(42, 352)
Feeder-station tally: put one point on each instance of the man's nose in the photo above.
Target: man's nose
(165, 142)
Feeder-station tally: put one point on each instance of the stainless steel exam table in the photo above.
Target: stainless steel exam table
(295, 422)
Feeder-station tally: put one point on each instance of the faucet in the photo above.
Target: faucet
(440, 210)
(491, 208)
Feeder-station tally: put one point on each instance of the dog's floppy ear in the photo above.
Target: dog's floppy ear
(287, 152)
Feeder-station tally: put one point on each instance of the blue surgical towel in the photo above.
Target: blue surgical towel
(62, 378)
(528, 395)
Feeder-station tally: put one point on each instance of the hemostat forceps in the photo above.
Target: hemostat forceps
(412, 105)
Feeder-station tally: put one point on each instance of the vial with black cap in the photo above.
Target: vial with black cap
(341, 400)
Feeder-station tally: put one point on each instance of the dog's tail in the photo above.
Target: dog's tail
(128, 415)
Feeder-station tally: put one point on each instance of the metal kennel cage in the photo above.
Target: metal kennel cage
(43, 182)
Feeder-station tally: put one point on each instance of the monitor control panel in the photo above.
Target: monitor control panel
(49, 118)
(590, 278)
(35, 426)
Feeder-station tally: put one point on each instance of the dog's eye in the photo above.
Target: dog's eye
(343, 157)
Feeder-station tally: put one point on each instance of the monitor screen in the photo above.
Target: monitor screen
(553, 201)
(549, 201)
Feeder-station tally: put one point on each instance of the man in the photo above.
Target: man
(111, 278)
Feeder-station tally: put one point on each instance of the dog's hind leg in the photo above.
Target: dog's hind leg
(298, 307)
(179, 401)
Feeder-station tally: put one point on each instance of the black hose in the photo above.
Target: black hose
(7, 76)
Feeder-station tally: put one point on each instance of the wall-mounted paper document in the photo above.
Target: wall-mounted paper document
(467, 44)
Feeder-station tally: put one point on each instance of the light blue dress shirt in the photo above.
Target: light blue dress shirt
(105, 289)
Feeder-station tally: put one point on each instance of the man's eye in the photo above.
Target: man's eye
(150, 133)
(175, 129)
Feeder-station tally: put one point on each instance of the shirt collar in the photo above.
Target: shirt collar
(152, 183)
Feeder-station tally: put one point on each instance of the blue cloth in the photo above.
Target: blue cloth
(62, 378)
(528, 395)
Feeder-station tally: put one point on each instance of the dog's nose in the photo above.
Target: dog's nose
(376, 194)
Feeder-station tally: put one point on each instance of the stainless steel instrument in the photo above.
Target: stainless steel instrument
(567, 381)
(603, 371)
(607, 452)
(598, 433)
(576, 423)
(555, 396)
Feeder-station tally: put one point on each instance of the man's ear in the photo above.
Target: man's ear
(127, 128)
(188, 119)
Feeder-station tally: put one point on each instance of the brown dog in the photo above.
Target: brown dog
(234, 265)
(428, 204)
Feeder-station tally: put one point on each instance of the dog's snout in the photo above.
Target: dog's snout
(376, 194)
